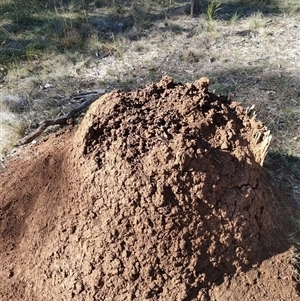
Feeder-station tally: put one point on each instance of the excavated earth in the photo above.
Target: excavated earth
(158, 194)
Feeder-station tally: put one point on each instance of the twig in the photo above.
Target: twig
(89, 97)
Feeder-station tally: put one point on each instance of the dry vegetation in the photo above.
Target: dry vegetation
(250, 50)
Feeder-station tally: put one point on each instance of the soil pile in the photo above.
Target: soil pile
(158, 195)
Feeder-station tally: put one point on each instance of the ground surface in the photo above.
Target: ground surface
(158, 194)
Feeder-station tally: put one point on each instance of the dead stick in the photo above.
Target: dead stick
(62, 120)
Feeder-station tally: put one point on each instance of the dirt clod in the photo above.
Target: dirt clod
(157, 195)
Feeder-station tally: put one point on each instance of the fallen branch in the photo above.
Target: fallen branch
(88, 98)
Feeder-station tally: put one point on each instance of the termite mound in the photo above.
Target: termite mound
(158, 195)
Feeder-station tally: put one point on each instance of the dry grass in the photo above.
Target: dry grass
(10, 126)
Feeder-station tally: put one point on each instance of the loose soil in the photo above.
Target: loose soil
(158, 194)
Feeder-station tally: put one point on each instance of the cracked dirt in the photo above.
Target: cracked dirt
(158, 194)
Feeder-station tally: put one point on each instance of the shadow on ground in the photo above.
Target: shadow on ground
(26, 29)
(284, 170)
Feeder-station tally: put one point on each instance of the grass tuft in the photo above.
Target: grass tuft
(211, 12)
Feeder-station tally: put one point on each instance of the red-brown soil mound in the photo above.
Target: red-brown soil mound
(158, 195)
